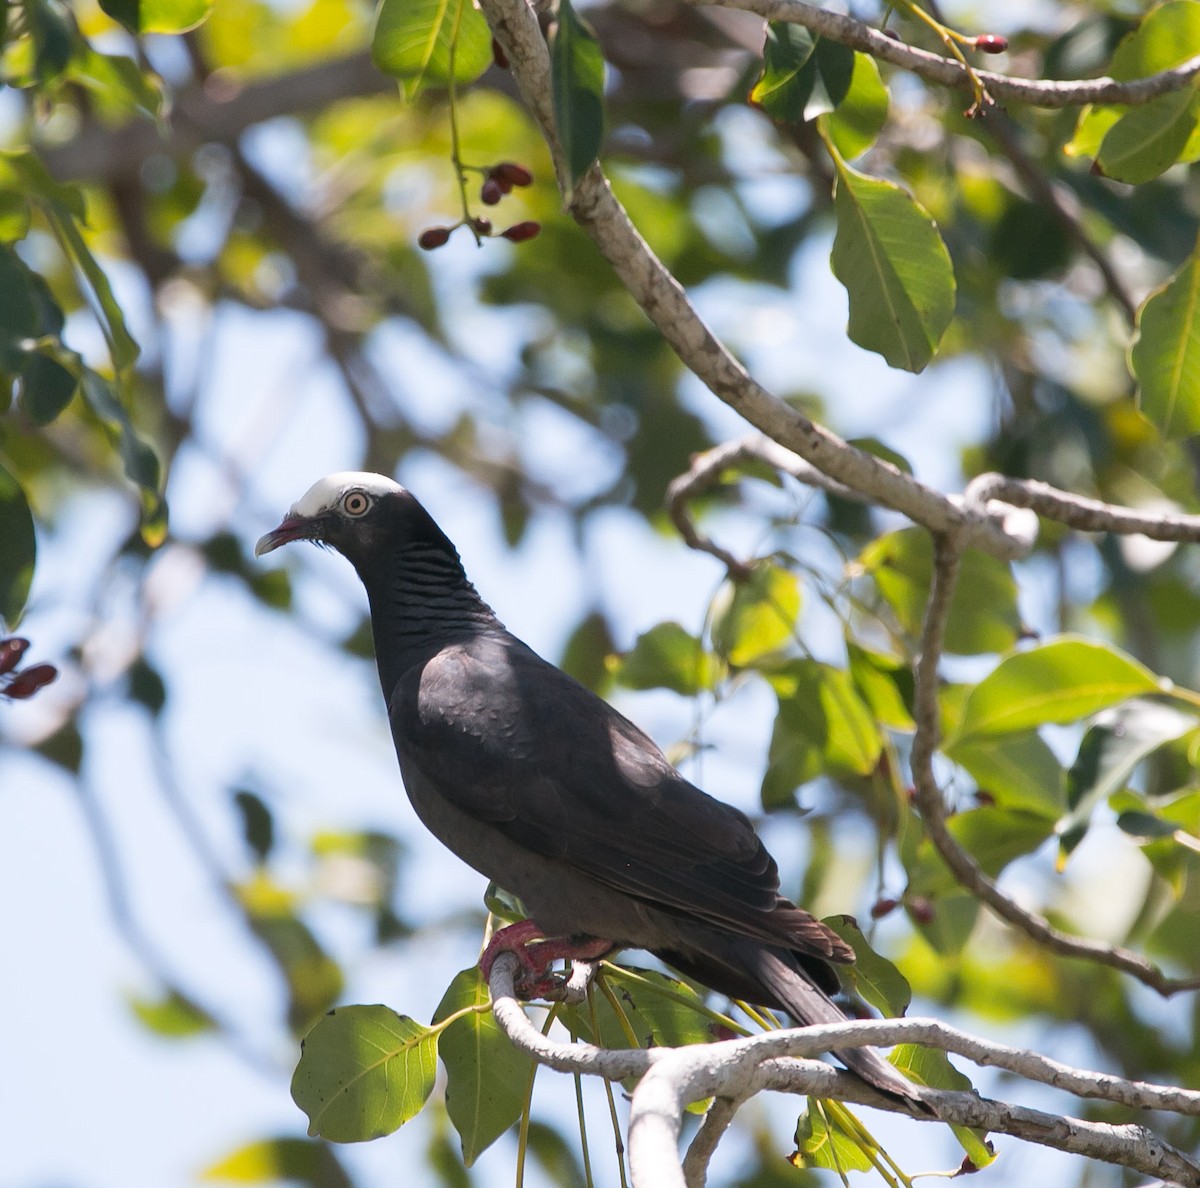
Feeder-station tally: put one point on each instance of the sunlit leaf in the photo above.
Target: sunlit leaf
(667, 657)
(1060, 681)
(486, 1077)
(1016, 770)
(173, 1015)
(1150, 138)
(993, 836)
(269, 1161)
(755, 617)
(858, 119)
(652, 1010)
(158, 16)
(873, 976)
(885, 683)
(577, 79)
(431, 41)
(787, 78)
(823, 726)
(121, 347)
(983, 615)
(1165, 356)
(364, 1071)
(1167, 37)
(932, 1068)
(19, 553)
(1111, 749)
(822, 1142)
(896, 269)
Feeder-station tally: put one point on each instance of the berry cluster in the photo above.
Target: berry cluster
(498, 180)
(17, 685)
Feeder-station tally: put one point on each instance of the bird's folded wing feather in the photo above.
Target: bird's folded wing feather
(511, 740)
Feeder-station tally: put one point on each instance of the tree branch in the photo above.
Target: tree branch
(935, 68)
(730, 1070)
(929, 802)
(665, 303)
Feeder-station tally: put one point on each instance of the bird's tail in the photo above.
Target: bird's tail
(808, 1004)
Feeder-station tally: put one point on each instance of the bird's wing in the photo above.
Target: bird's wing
(512, 740)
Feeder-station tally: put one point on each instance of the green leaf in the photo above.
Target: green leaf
(158, 16)
(120, 86)
(667, 657)
(1091, 129)
(364, 1071)
(993, 836)
(121, 347)
(896, 269)
(803, 76)
(1060, 681)
(1167, 37)
(313, 979)
(932, 1068)
(885, 682)
(272, 1160)
(431, 42)
(822, 726)
(14, 216)
(1110, 750)
(18, 310)
(486, 1077)
(1149, 139)
(142, 466)
(873, 976)
(858, 119)
(1017, 771)
(258, 825)
(174, 1015)
(822, 1142)
(1165, 356)
(788, 74)
(661, 1011)
(983, 616)
(46, 388)
(19, 553)
(53, 33)
(577, 80)
(756, 617)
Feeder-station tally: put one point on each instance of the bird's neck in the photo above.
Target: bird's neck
(421, 601)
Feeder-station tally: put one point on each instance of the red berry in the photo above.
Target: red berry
(27, 682)
(883, 907)
(11, 650)
(991, 43)
(511, 172)
(433, 237)
(482, 226)
(498, 55)
(921, 909)
(519, 232)
(491, 192)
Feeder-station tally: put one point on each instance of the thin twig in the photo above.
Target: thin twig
(1038, 92)
(929, 802)
(665, 303)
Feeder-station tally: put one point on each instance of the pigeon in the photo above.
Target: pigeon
(545, 788)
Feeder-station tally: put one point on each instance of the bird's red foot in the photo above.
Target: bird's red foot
(537, 952)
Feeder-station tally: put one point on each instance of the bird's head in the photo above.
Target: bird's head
(363, 516)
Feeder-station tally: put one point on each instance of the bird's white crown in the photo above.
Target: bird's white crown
(327, 492)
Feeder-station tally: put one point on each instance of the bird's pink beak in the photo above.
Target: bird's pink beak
(293, 528)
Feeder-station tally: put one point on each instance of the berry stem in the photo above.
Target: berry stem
(460, 170)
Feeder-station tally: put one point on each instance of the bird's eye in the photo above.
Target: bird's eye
(356, 503)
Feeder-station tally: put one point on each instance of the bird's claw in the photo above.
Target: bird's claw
(534, 979)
